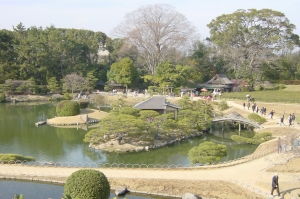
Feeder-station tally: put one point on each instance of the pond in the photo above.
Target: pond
(19, 135)
(32, 190)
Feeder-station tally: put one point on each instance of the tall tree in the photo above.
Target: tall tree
(123, 72)
(53, 85)
(204, 66)
(90, 77)
(8, 68)
(155, 30)
(168, 74)
(247, 38)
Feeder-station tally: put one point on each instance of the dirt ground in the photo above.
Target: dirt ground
(219, 188)
(208, 189)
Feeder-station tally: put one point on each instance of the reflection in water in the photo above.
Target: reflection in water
(46, 143)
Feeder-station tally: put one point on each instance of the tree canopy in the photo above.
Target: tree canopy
(207, 152)
(123, 72)
(248, 38)
(156, 30)
(50, 52)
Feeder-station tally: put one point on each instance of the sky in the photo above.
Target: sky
(104, 15)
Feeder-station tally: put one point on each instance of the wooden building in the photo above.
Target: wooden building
(219, 82)
(159, 104)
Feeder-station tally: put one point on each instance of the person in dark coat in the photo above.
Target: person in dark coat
(275, 185)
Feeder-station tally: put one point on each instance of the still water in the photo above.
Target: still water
(32, 190)
(19, 135)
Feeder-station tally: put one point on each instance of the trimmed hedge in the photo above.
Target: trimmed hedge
(257, 139)
(87, 183)
(67, 108)
(222, 105)
(256, 118)
(2, 97)
(8, 157)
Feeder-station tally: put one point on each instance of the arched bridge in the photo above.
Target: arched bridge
(235, 117)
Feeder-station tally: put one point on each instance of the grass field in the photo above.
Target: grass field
(291, 94)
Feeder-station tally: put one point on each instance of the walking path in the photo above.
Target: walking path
(246, 174)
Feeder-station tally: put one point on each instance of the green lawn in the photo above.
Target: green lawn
(291, 94)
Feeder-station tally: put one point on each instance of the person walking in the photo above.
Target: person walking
(283, 146)
(271, 114)
(244, 105)
(253, 107)
(265, 110)
(293, 118)
(256, 109)
(275, 185)
(279, 145)
(290, 120)
(248, 105)
(281, 120)
(262, 111)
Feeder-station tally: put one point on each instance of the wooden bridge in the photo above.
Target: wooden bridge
(236, 118)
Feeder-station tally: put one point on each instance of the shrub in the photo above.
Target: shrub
(264, 136)
(17, 196)
(87, 183)
(67, 96)
(281, 86)
(257, 139)
(7, 157)
(67, 108)
(256, 118)
(2, 97)
(83, 104)
(222, 105)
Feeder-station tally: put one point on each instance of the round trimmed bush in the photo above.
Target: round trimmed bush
(87, 183)
(67, 108)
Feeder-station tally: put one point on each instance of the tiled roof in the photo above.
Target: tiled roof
(155, 103)
(220, 79)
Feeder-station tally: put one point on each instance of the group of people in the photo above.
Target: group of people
(255, 109)
(290, 120)
(282, 144)
(263, 111)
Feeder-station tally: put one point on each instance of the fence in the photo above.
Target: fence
(59, 176)
(262, 150)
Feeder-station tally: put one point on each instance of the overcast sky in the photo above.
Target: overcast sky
(104, 15)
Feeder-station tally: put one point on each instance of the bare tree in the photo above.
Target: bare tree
(97, 100)
(156, 30)
(74, 82)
